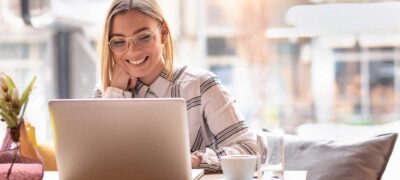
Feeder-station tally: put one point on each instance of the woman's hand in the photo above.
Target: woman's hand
(195, 161)
(121, 79)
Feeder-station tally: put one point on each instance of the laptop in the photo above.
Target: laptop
(122, 139)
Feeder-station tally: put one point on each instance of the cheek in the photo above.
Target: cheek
(151, 52)
(116, 57)
(156, 51)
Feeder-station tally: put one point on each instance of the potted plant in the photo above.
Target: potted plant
(19, 159)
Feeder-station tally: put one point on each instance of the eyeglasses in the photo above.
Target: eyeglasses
(142, 40)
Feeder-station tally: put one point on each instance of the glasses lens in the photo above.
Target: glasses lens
(143, 40)
(118, 44)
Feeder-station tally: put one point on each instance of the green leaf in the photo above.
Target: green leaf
(27, 92)
(15, 108)
(23, 110)
(9, 120)
(14, 117)
(10, 84)
(3, 105)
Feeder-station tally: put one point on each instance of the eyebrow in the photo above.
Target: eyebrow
(135, 32)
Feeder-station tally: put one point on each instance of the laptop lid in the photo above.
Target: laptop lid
(121, 138)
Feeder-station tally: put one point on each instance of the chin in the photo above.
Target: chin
(138, 74)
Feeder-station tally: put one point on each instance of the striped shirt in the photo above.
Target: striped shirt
(216, 127)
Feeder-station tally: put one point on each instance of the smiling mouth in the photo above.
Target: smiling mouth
(135, 62)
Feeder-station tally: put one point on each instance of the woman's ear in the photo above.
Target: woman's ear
(164, 33)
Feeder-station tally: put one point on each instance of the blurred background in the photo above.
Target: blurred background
(289, 63)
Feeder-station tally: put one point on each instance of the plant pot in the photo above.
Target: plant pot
(19, 158)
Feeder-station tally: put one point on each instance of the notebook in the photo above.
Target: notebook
(122, 139)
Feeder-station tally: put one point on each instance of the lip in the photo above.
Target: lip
(137, 62)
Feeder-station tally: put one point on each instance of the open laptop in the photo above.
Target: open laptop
(122, 139)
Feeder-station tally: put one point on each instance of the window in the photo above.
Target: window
(22, 59)
(224, 72)
(13, 51)
(347, 89)
(365, 85)
(381, 84)
(218, 46)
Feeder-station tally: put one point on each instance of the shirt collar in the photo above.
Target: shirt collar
(159, 86)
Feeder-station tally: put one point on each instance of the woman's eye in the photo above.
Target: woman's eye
(145, 37)
(118, 42)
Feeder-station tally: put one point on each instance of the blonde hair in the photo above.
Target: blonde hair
(148, 7)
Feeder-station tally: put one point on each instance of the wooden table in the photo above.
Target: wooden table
(289, 175)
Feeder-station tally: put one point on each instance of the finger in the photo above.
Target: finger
(120, 78)
(117, 61)
(119, 64)
(117, 68)
(132, 82)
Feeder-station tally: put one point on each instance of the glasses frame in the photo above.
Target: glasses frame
(132, 38)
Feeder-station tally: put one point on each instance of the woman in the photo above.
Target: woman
(137, 62)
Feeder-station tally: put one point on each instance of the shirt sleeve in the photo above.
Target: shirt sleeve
(225, 126)
(111, 92)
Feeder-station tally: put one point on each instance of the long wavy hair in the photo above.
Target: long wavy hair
(148, 7)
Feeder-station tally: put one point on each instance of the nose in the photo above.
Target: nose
(132, 51)
(131, 44)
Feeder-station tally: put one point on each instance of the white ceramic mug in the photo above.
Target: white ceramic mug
(238, 167)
